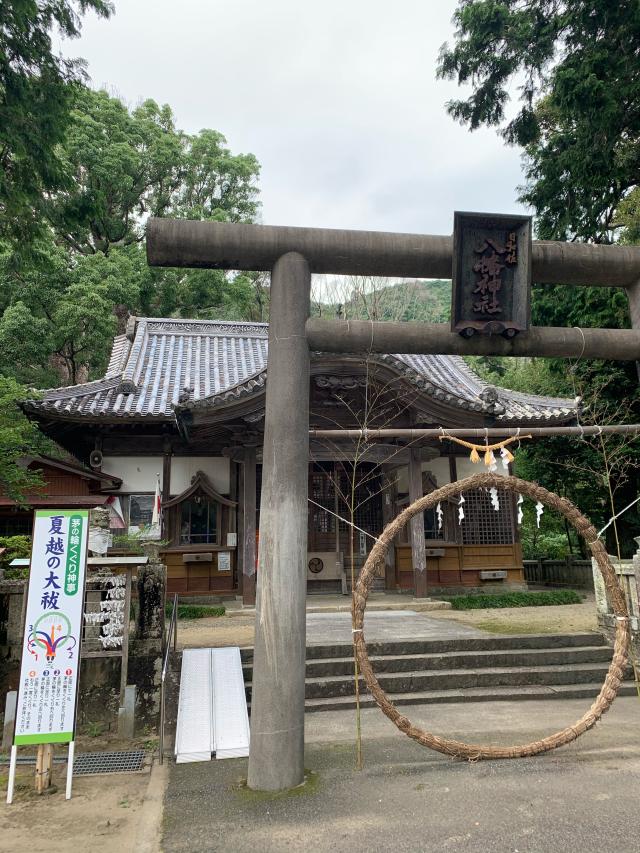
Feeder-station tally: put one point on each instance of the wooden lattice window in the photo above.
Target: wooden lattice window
(322, 491)
(484, 525)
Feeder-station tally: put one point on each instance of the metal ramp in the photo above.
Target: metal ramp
(212, 708)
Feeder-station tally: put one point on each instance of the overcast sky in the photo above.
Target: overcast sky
(338, 101)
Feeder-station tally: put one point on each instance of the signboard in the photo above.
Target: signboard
(53, 628)
(491, 274)
(224, 561)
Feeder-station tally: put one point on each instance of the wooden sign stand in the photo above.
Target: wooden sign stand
(44, 767)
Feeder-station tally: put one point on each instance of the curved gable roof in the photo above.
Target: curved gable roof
(166, 364)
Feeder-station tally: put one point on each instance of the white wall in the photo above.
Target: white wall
(183, 468)
(439, 467)
(138, 473)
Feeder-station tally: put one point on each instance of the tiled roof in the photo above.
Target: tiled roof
(165, 364)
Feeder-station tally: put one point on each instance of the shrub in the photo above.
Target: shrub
(17, 547)
(195, 611)
(516, 599)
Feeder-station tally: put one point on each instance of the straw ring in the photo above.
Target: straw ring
(615, 673)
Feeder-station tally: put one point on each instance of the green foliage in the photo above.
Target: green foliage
(18, 437)
(576, 65)
(195, 611)
(62, 303)
(370, 299)
(36, 91)
(515, 599)
(18, 547)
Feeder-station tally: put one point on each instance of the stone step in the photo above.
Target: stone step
(327, 667)
(460, 679)
(407, 682)
(408, 647)
(472, 694)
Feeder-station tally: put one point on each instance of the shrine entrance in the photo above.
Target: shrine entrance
(492, 261)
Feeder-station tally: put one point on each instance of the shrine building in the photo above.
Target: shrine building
(182, 402)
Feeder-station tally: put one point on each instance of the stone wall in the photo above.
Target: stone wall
(628, 572)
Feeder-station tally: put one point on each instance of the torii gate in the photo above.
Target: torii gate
(276, 759)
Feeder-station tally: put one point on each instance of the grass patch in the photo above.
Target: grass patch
(195, 611)
(515, 599)
(309, 786)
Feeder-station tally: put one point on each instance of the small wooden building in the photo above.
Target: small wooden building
(65, 485)
(183, 401)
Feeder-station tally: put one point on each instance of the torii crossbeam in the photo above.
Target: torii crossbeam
(276, 760)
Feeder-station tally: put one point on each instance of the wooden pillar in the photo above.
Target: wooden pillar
(166, 483)
(249, 526)
(390, 556)
(416, 526)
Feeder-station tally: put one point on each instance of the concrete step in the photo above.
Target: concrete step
(461, 679)
(473, 694)
(328, 667)
(415, 647)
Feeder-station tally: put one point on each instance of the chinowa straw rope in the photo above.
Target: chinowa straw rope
(614, 675)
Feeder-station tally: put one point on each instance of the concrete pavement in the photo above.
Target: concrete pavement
(582, 798)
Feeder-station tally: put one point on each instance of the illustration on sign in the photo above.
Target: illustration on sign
(491, 274)
(51, 651)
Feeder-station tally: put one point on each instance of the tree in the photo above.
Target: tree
(128, 165)
(36, 89)
(18, 437)
(576, 66)
(61, 306)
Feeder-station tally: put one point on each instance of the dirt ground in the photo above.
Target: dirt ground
(567, 618)
(102, 814)
(563, 619)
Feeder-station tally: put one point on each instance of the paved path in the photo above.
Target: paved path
(582, 798)
(385, 625)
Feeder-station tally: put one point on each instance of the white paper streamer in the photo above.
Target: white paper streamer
(539, 511)
(520, 513)
(461, 510)
(439, 513)
(495, 501)
(505, 458)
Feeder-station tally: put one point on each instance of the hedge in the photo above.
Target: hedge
(516, 599)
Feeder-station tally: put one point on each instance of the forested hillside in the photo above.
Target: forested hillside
(364, 298)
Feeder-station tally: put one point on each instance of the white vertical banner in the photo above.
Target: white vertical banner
(53, 628)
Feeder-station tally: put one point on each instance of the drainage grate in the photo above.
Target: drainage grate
(108, 762)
